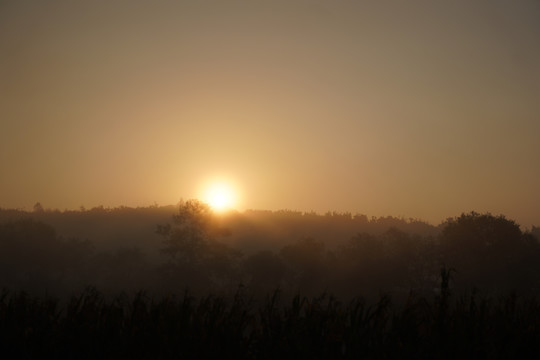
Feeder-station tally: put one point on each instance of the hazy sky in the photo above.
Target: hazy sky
(408, 108)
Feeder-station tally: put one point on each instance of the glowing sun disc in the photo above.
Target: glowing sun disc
(220, 196)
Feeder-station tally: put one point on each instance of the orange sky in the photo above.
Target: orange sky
(408, 108)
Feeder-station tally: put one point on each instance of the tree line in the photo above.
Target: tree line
(482, 252)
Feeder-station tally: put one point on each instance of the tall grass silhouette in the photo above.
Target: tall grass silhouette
(88, 326)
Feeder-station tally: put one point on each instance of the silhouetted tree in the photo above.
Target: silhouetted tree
(195, 255)
(33, 257)
(486, 251)
(38, 208)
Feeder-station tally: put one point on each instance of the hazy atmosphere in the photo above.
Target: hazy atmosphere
(269, 179)
(420, 109)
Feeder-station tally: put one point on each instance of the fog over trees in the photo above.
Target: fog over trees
(170, 249)
(186, 282)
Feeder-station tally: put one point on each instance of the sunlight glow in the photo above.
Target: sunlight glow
(220, 196)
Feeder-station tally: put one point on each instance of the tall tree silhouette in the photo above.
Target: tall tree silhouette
(190, 243)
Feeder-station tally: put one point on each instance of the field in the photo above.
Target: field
(87, 326)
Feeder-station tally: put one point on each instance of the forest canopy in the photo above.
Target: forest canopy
(170, 249)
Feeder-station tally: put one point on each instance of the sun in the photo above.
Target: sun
(220, 196)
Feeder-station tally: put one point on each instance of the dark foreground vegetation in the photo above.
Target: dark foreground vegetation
(168, 250)
(209, 285)
(185, 327)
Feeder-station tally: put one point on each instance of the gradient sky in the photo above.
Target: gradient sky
(407, 108)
